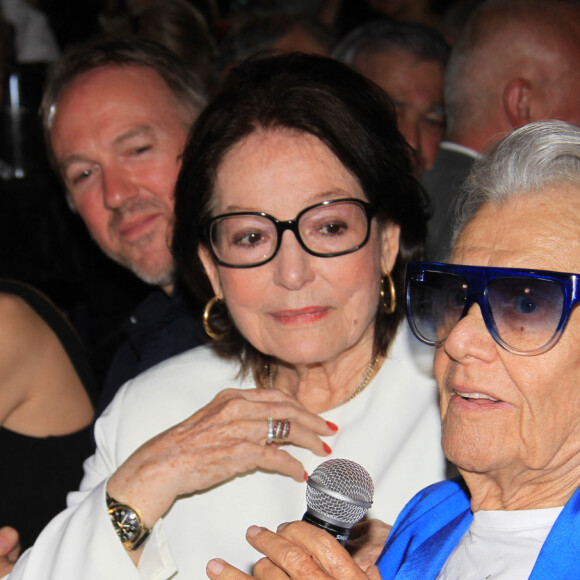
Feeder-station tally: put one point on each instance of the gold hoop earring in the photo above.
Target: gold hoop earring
(390, 307)
(206, 314)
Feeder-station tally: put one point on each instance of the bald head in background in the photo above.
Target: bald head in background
(516, 62)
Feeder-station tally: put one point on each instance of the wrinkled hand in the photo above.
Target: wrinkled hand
(367, 540)
(225, 438)
(9, 549)
(298, 551)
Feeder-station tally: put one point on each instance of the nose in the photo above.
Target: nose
(292, 265)
(471, 338)
(118, 187)
(410, 130)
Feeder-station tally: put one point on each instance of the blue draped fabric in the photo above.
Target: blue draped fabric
(433, 522)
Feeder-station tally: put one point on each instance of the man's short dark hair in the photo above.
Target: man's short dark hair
(383, 36)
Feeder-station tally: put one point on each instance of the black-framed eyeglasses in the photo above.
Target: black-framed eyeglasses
(328, 229)
(525, 311)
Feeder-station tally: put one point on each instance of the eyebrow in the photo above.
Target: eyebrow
(313, 200)
(436, 108)
(132, 132)
(119, 140)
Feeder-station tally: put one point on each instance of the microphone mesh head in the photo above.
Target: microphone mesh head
(346, 478)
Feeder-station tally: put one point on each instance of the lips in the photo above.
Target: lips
(300, 316)
(476, 396)
(136, 226)
(466, 401)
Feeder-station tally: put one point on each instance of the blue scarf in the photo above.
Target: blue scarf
(433, 522)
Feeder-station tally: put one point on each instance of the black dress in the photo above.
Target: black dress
(37, 472)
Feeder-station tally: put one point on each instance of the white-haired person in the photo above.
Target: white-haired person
(502, 317)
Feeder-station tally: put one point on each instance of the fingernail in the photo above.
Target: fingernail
(305, 476)
(253, 531)
(215, 566)
(281, 527)
(332, 426)
(326, 448)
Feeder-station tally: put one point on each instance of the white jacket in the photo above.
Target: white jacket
(392, 429)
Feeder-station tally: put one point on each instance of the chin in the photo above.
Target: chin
(162, 279)
(152, 273)
(474, 455)
(304, 355)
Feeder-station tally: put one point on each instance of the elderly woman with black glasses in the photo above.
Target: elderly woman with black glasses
(502, 316)
(296, 213)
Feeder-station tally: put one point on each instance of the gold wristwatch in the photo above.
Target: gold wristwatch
(128, 523)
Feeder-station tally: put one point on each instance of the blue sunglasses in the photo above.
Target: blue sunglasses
(525, 311)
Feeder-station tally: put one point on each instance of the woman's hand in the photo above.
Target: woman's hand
(225, 438)
(298, 551)
(9, 549)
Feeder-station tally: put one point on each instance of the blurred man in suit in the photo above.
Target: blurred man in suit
(408, 61)
(516, 62)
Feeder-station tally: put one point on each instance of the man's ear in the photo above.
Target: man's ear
(517, 102)
(211, 269)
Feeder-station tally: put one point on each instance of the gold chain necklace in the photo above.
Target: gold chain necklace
(369, 374)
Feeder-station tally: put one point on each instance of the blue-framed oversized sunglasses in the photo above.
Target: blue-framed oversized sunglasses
(328, 229)
(525, 311)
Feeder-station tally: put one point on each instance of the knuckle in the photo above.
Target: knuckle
(222, 396)
(234, 405)
(295, 558)
(328, 543)
(226, 395)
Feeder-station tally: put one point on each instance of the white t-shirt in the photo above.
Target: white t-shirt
(500, 545)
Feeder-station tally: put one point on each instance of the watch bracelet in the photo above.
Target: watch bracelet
(145, 531)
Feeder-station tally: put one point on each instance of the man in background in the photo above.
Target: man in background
(116, 115)
(515, 62)
(408, 61)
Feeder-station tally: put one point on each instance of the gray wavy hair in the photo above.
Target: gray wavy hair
(530, 159)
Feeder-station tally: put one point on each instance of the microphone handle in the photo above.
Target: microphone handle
(341, 534)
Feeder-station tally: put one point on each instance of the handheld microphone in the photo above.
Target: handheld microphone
(338, 495)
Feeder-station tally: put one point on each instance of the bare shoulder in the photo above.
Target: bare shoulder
(14, 310)
(38, 383)
(21, 328)
(20, 331)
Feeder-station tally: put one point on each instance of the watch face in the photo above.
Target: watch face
(126, 523)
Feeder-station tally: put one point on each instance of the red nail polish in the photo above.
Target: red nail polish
(332, 426)
(326, 448)
(305, 476)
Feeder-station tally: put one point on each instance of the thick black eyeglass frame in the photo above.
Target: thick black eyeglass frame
(292, 225)
(477, 278)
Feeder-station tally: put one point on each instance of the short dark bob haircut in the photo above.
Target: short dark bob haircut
(319, 96)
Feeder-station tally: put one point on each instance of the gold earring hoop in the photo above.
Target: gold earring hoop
(390, 307)
(206, 314)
